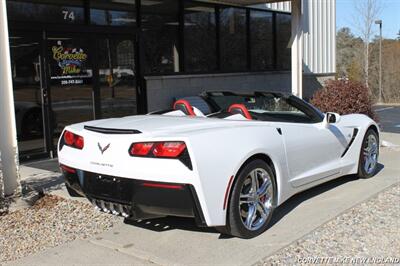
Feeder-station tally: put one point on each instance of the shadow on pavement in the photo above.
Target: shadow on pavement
(42, 183)
(48, 165)
(170, 223)
(297, 199)
(188, 224)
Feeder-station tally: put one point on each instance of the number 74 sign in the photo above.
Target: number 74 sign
(68, 15)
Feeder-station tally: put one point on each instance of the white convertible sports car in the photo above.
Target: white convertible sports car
(224, 158)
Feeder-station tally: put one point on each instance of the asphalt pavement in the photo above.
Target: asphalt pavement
(389, 117)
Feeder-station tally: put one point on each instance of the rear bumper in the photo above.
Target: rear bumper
(136, 199)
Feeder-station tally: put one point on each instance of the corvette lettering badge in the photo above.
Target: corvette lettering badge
(103, 149)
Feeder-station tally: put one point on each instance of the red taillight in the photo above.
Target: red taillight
(73, 140)
(69, 138)
(68, 169)
(79, 142)
(161, 185)
(141, 149)
(169, 149)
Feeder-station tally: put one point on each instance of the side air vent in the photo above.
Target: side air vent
(112, 130)
(355, 132)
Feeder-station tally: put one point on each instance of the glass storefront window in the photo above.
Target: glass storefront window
(62, 12)
(112, 13)
(283, 29)
(117, 77)
(233, 39)
(160, 26)
(71, 72)
(261, 40)
(200, 38)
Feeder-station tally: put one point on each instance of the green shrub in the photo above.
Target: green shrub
(344, 97)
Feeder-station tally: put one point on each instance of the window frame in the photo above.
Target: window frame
(246, 40)
(178, 38)
(251, 40)
(137, 29)
(219, 70)
(217, 41)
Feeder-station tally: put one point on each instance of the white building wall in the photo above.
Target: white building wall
(280, 6)
(319, 29)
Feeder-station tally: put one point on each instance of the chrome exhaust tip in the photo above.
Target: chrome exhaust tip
(95, 205)
(125, 211)
(103, 206)
(112, 208)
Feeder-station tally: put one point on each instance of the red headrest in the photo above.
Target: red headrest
(184, 106)
(240, 109)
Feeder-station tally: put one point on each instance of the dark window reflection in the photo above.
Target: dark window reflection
(283, 29)
(58, 12)
(108, 13)
(261, 40)
(160, 36)
(117, 78)
(200, 38)
(25, 66)
(233, 39)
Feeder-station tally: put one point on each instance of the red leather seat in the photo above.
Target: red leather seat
(185, 107)
(240, 109)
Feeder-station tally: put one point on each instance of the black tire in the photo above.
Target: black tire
(235, 225)
(362, 172)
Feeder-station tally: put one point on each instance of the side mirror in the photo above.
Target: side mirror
(331, 118)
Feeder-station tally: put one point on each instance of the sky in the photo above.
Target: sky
(390, 16)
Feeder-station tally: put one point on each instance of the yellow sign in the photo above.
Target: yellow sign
(70, 60)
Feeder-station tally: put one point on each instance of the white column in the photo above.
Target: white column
(297, 48)
(8, 135)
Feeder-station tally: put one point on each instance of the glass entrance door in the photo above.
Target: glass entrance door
(28, 93)
(90, 78)
(70, 70)
(64, 79)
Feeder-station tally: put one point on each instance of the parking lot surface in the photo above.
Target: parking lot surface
(389, 117)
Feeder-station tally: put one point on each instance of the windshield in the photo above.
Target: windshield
(269, 107)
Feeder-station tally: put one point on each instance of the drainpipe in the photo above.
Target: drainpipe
(296, 43)
(8, 133)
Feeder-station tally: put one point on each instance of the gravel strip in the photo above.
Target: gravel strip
(52, 221)
(370, 230)
(4, 204)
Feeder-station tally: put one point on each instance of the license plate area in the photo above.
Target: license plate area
(109, 187)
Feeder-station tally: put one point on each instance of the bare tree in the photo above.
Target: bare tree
(348, 56)
(366, 13)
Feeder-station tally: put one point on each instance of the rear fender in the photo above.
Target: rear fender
(222, 156)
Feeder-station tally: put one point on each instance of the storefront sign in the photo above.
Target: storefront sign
(70, 64)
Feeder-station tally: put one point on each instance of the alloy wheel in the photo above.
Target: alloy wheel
(256, 195)
(370, 154)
